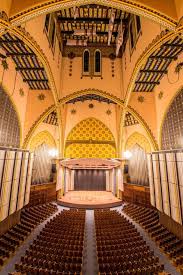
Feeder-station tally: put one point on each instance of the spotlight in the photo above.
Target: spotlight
(53, 152)
(127, 154)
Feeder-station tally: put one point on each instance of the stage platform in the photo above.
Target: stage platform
(89, 199)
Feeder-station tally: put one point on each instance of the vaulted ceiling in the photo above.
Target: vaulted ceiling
(26, 62)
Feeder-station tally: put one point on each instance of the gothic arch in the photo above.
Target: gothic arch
(141, 140)
(85, 92)
(42, 137)
(90, 138)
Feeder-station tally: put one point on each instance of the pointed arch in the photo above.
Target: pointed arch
(90, 138)
(138, 139)
(42, 137)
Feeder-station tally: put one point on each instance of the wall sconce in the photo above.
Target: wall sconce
(127, 154)
(53, 153)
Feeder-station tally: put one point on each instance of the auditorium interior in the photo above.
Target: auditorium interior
(91, 137)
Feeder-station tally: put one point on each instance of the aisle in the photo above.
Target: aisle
(90, 265)
(169, 268)
(10, 265)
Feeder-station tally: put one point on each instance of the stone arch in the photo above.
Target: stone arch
(90, 138)
(137, 138)
(10, 126)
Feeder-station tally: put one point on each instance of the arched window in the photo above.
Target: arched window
(86, 62)
(97, 62)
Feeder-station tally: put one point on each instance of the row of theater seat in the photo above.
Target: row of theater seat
(58, 248)
(148, 218)
(30, 217)
(120, 248)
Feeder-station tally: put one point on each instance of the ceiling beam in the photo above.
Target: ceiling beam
(30, 69)
(88, 20)
(163, 57)
(147, 82)
(35, 80)
(172, 45)
(154, 71)
(10, 41)
(20, 54)
(97, 33)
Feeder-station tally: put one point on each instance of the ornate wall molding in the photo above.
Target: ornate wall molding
(91, 91)
(127, 5)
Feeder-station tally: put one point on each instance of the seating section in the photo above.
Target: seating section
(58, 248)
(149, 219)
(30, 217)
(120, 248)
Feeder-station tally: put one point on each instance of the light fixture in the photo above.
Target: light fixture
(127, 154)
(53, 152)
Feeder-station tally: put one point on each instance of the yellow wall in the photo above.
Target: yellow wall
(88, 140)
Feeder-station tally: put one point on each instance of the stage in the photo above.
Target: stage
(89, 199)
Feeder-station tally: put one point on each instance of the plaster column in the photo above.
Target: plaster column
(66, 180)
(72, 179)
(119, 178)
(107, 180)
(112, 180)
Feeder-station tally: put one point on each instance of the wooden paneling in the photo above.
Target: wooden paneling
(172, 226)
(42, 193)
(9, 222)
(136, 194)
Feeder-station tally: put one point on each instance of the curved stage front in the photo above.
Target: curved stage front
(89, 200)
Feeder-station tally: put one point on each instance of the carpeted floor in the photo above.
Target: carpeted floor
(90, 265)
